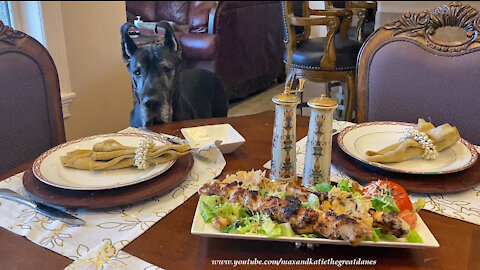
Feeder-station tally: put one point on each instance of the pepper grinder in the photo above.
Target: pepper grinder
(318, 154)
(284, 150)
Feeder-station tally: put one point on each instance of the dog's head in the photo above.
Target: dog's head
(155, 77)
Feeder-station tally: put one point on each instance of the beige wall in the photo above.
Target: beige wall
(416, 6)
(317, 31)
(98, 75)
(389, 11)
(321, 31)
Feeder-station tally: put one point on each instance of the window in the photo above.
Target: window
(5, 13)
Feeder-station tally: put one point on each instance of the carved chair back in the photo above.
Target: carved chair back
(299, 9)
(30, 107)
(365, 13)
(424, 65)
(297, 22)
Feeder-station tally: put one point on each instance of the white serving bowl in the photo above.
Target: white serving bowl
(200, 136)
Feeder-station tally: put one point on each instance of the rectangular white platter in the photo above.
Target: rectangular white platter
(199, 227)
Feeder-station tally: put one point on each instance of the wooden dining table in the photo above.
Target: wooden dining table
(170, 245)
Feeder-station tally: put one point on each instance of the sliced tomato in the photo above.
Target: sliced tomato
(383, 187)
(410, 217)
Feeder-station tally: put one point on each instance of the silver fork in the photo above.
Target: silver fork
(174, 139)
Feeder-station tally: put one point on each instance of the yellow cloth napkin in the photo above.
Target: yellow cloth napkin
(442, 136)
(110, 154)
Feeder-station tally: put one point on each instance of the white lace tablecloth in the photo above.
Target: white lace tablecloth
(98, 244)
(464, 205)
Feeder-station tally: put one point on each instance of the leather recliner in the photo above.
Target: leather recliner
(241, 42)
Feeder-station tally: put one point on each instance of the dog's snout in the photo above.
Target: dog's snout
(152, 105)
(150, 122)
(154, 111)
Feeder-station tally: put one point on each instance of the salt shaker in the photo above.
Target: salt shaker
(318, 154)
(283, 165)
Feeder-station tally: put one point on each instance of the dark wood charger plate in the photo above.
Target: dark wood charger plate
(97, 199)
(439, 183)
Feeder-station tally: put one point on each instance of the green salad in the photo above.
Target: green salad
(386, 196)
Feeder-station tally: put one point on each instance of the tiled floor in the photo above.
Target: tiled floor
(262, 101)
(255, 103)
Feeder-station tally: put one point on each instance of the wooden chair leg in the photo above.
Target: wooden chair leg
(289, 79)
(341, 101)
(351, 96)
(292, 80)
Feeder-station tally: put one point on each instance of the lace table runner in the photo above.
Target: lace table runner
(464, 205)
(98, 244)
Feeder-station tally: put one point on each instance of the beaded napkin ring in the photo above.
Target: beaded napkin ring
(429, 149)
(141, 154)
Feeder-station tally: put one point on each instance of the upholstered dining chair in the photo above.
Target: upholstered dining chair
(424, 65)
(320, 59)
(364, 11)
(30, 107)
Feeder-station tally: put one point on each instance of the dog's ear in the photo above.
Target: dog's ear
(169, 39)
(128, 45)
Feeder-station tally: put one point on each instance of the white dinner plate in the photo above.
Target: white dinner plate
(49, 169)
(358, 139)
(200, 227)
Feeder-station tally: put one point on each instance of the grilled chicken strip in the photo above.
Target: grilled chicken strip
(290, 210)
(340, 203)
(290, 189)
(390, 223)
(286, 187)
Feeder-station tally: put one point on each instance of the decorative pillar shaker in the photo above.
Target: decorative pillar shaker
(284, 149)
(318, 154)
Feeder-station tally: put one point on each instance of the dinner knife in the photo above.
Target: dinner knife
(41, 208)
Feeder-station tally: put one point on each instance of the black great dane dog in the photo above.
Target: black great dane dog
(162, 93)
